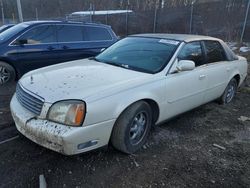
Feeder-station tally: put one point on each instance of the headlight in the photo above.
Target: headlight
(70, 112)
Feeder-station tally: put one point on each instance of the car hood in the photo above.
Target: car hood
(78, 80)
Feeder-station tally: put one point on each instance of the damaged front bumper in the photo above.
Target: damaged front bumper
(61, 138)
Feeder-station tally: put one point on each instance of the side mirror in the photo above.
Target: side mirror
(21, 41)
(185, 65)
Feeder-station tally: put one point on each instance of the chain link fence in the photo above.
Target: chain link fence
(219, 18)
(216, 19)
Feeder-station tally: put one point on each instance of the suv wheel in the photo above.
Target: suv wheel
(7, 73)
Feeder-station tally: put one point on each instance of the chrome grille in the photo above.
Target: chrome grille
(28, 101)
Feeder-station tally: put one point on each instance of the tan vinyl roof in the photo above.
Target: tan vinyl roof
(179, 37)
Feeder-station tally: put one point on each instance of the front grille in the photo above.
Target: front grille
(28, 101)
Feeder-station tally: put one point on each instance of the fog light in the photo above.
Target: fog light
(87, 144)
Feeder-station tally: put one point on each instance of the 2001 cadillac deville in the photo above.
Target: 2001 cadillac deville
(117, 96)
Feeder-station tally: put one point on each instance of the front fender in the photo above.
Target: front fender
(112, 106)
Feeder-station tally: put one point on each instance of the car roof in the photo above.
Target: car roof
(179, 37)
(8, 25)
(63, 22)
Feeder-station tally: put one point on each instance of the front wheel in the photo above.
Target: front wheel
(7, 73)
(132, 128)
(229, 92)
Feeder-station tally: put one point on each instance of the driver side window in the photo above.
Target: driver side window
(192, 51)
(39, 35)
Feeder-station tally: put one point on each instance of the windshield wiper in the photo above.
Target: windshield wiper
(95, 59)
(110, 63)
(117, 64)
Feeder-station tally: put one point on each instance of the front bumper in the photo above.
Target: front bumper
(63, 139)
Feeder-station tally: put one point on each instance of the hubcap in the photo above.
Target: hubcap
(230, 93)
(4, 75)
(138, 128)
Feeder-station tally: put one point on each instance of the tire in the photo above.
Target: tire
(229, 92)
(7, 73)
(132, 128)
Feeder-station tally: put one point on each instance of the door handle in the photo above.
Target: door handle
(228, 69)
(65, 47)
(50, 48)
(201, 77)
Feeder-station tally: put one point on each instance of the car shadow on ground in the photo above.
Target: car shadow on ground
(6, 93)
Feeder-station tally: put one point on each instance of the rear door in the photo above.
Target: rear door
(97, 38)
(36, 47)
(218, 69)
(79, 41)
(71, 42)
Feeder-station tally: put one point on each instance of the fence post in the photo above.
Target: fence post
(245, 22)
(2, 12)
(107, 18)
(36, 14)
(191, 17)
(127, 22)
(155, 16)
(19, 8)
(13, 18)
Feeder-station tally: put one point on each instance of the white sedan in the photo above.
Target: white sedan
(116, 97)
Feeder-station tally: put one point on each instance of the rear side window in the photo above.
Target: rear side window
(96, 34)
(39, 35)
(214, 51)
(192, 51)
(69, 33)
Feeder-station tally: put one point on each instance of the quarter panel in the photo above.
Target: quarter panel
(218, 75)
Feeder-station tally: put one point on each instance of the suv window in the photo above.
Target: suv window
(96, 33)
(192, 51)
(39, 35)
(214, 51)
(69, 33)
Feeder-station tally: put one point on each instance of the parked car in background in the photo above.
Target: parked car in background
(120, 94)
(5, 27)
(31, 45)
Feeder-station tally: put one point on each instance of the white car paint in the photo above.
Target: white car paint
(109, 90)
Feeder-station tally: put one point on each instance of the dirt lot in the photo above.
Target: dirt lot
(179, 153)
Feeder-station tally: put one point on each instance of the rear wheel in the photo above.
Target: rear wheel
(229, 92)
(7, 73)
(132, 128)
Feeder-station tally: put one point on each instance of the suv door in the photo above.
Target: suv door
(78, 41)
(185, 90)
(71, 42)
(98, 38)
(217, 69)
(36, 48)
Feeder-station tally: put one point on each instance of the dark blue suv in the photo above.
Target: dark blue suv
(31, 45)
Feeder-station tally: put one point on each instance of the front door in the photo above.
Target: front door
(186, 90)
(36, 48)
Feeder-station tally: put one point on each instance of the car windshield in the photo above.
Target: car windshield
(7, 34)
(142, 54)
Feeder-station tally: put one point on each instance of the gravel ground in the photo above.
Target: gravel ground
(179, 153)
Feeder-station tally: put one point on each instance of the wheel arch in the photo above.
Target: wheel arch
(11, 64)
(238, 79)
(152, 103)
